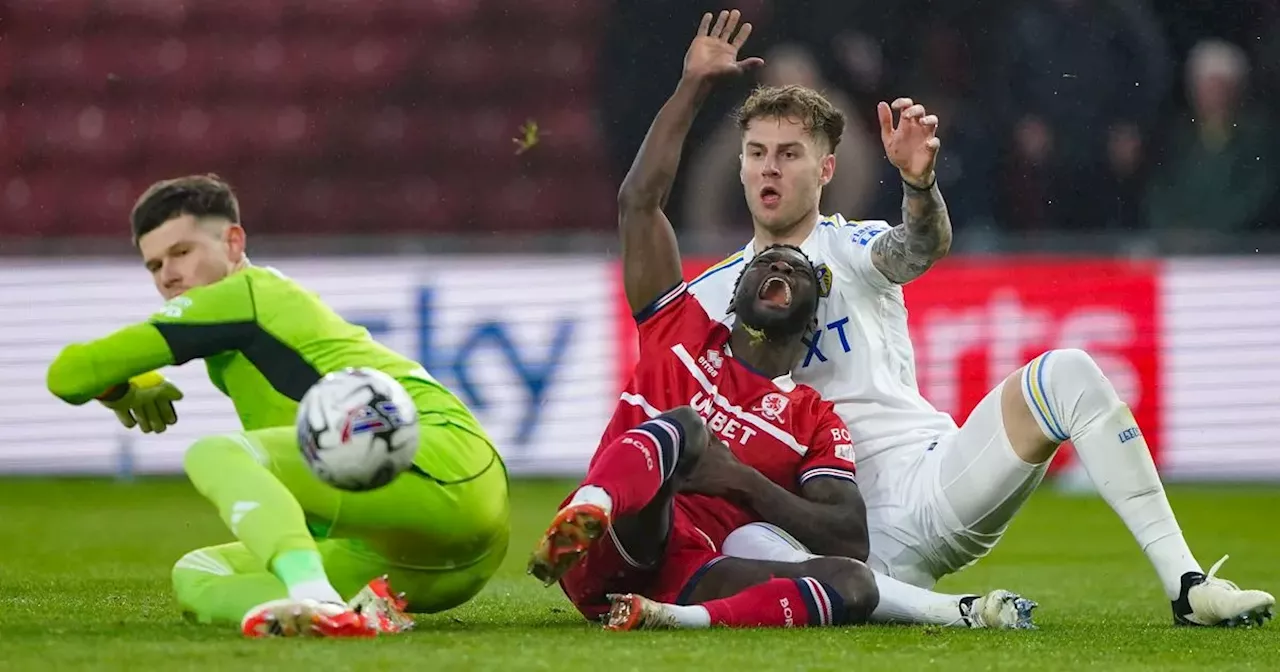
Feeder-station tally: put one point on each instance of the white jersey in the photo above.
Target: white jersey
(861, 357)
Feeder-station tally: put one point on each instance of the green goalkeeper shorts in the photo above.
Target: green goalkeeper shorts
(415, 526)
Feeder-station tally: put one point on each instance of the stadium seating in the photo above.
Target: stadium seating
(330, 116)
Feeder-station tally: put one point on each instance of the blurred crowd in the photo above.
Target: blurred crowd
(1056, 115)
(487, 120)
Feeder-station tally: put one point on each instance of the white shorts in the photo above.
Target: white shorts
(947, 503)
(932, 508)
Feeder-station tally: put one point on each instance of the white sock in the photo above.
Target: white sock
(899, 602)
(691, 616)
(1071, 398)
(320, 591)
(591, 494)
(904, 603)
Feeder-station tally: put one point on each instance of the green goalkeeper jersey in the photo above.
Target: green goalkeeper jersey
(265, 341)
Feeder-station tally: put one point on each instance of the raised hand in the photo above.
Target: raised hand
(714, 51)
(912, 147)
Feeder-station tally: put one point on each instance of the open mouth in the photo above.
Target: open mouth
(776, 292)
(770, 196)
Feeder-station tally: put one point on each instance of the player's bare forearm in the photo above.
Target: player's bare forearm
(84, 371)
(830, 519)
(653, 172)
(650, 254)
(909, 249)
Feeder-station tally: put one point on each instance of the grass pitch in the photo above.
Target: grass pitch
(84, 584)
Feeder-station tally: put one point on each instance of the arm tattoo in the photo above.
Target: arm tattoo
(924, 236)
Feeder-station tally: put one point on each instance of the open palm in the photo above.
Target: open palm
(714, 52)
(913, 146)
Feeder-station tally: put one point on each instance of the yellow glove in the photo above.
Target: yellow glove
(146, 401)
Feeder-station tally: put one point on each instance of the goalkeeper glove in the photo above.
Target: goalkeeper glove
(145, 401)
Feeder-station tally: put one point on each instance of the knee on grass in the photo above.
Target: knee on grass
(851, 579)
(193, 573)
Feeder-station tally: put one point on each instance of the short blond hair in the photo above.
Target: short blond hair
(819, 117)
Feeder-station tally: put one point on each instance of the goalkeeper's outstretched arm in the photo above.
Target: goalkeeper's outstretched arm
(83, 372)
(203, 322)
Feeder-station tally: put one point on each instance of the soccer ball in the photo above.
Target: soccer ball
(357, 429)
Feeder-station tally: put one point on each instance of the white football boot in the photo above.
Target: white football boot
(1207, 600)
(998, 610)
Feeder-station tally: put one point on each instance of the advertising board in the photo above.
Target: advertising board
(524, 342)
(539, 347)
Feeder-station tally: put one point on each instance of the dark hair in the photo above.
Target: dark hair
(813, 270)
(195, 195)
(819, 117)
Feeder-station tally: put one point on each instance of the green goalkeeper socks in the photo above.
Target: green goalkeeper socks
(207, 593)
(299, 566)
(220, 584)
(303, 572)
(260, 511)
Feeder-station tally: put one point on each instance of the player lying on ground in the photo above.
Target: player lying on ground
(624, 542)
(939, 496)
(997, 609)
(439, 531)
(635, 543)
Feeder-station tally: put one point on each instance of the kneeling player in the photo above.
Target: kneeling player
(309, 555)
(790, 464)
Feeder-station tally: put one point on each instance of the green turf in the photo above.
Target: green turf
(84, 584)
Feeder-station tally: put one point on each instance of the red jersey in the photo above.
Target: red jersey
(784, 430)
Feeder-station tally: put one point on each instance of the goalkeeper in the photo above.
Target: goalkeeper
(310, 558)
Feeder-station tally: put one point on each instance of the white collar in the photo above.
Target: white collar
(749, 251)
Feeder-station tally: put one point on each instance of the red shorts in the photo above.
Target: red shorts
(605, 569)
